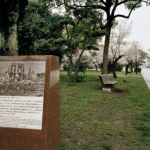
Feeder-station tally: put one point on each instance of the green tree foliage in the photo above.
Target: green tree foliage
(40, 32)
(81, 30)
(109, 9)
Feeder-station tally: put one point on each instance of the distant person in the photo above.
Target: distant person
(17, 77)
(6, 77)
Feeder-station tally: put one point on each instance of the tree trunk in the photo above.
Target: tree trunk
(11, 41)
(96, 68)
(71, 72)
(109, 67)
(131, 66)
(106, 50)
(114, 70)
(78, 66)
(2, 44)
(136, 67)
(114, 66)
(126, 69)
(9, 15)
(100, 67)
(114, 74)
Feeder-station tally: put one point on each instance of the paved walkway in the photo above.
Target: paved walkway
(146, 75)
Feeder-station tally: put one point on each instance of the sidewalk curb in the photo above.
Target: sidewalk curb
(144, 75)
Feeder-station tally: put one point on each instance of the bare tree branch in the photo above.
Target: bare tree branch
(124, 1)
(114, 8)
(124, 16)
(103, 2)
(87, 6)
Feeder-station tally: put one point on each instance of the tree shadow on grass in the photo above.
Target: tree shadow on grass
(119, 90)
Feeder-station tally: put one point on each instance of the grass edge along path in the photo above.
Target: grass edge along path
(95, 120)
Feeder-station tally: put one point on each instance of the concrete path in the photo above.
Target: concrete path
(146, 75)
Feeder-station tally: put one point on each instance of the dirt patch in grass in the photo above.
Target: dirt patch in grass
(120, 90)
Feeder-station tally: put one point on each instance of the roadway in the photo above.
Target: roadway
(146, 75)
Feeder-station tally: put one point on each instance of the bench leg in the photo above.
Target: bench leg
(108, 88)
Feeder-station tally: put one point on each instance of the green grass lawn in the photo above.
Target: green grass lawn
(95, 120)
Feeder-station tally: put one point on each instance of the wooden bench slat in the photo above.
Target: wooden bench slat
(106, 82)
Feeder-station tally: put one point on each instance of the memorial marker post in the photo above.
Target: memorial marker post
(29, 103)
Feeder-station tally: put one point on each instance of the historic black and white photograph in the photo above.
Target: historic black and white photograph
(22, 78)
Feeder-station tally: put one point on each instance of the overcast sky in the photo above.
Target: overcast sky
(140, 26)
(140, 19)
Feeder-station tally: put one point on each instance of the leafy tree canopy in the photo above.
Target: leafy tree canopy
(40, 32)
(106, 7)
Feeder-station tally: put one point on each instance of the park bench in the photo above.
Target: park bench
(106, 82)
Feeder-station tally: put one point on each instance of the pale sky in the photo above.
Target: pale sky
(140, 32)
(140, 29)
